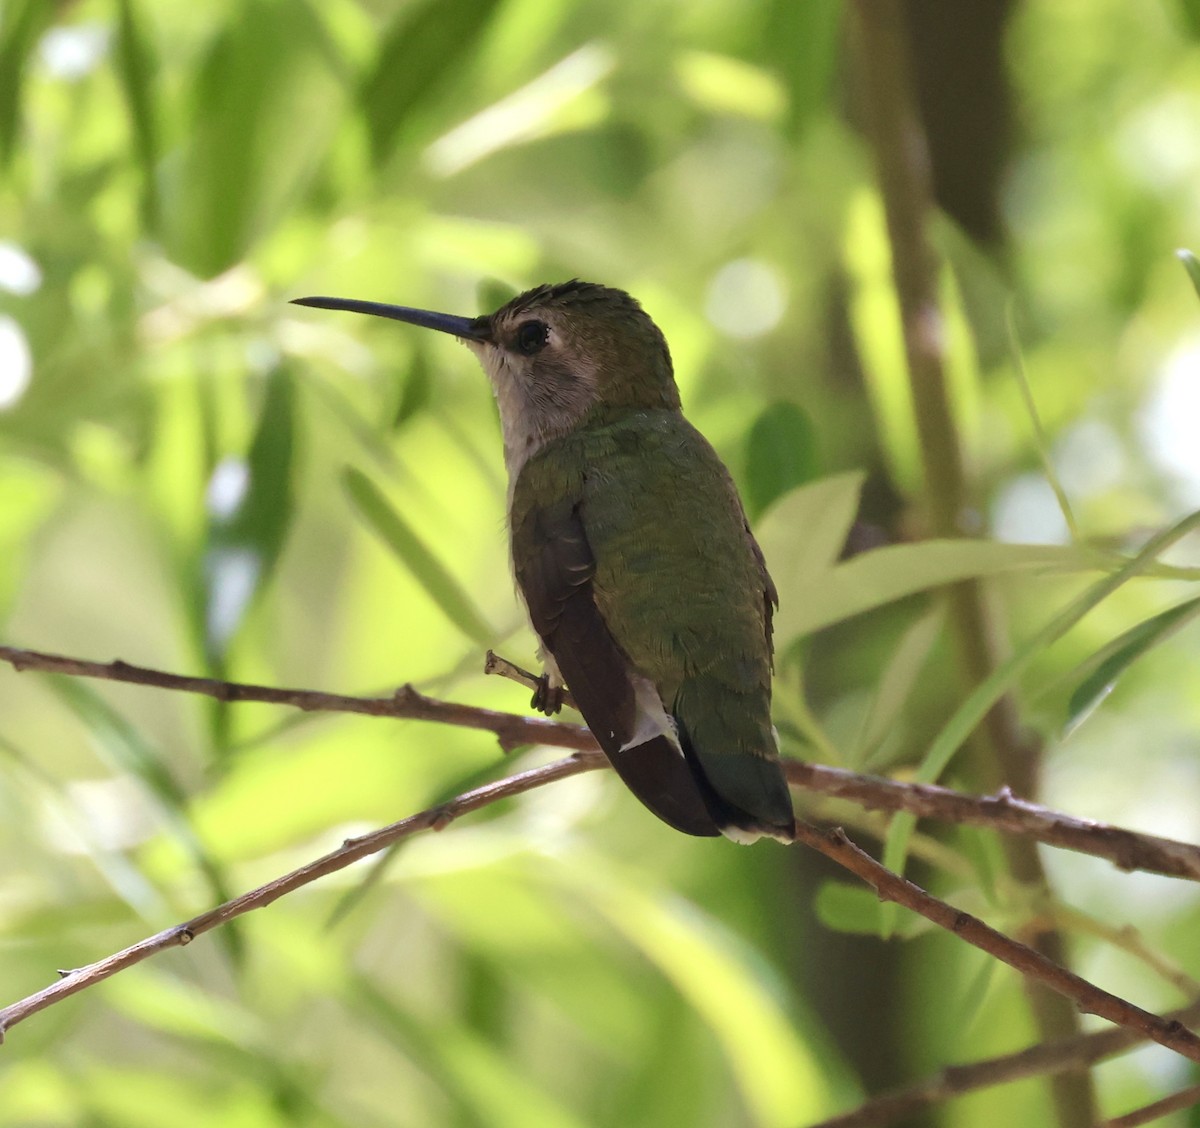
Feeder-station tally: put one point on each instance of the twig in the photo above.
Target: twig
(1087, 997)
(352, 850)
(1127, 849)
(511, 730)
(1123, 937)
(957, 1080)
(1185, 1098)
(833, 844)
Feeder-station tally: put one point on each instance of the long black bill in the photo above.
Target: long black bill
(468, 328)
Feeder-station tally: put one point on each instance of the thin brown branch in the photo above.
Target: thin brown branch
(1126, 849)
(833, 844)
(352, 850)
(511, 730)
(1079, 1052)
(1087, 997)
(1123, 937)
(1185, 1098)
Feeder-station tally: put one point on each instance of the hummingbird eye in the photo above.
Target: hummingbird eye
(532, 336)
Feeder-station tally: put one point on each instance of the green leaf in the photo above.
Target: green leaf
(848, 908)
(781, 454)
(804, 532)
(21, 24)
(123, 743)
(250, 515)
(170, 1003)
(427, 47)
(1121, 654)
(135, 66)
(416, 389)
(855, 909)
(1039, 432)
(780, 1076)
(1189, 11)
(477, 1079)
(896, 685)
(811, 600)
(967, 1005)
(266, 100)
(969, 714)
(411, 550)
(1192, 265)
(133, 755)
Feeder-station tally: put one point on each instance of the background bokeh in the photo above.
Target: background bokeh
(192, 472)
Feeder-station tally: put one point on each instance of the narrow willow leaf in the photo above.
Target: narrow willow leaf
(411, 550)
(779, 1073)
(1122, 654)
(425, 49)
(416, 389)
(266, 98)
(1039, 432)
(21, 23)
(128, 751)
(897, 684)
(1192, 265)
(969, 714)
(810, 601)
(168, 1003)
(477, 1080)
(967, 1007)
(135, 66)
(251, 507)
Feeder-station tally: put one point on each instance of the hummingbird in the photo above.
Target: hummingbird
(632, 553)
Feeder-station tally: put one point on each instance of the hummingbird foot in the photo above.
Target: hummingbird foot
(548, 695)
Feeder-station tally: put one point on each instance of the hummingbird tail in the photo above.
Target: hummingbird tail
(734, 755)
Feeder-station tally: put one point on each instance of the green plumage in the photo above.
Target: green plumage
(678, 581)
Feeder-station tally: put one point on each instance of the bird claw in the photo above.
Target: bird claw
(547, 697)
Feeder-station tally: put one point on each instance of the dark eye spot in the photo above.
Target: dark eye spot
(532, 336)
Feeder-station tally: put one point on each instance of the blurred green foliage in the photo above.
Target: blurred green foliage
(198, 476)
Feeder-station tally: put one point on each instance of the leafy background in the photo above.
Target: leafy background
(196, 476)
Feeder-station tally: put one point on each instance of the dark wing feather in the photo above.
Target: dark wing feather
(770, 591)
(554, 568)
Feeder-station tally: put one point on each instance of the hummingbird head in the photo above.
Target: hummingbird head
(556, 356)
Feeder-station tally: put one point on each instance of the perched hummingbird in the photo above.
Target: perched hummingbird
(632, 552)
